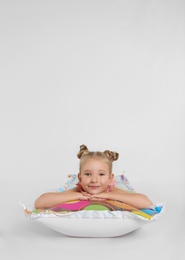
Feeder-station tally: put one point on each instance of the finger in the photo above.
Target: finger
(85, 198)
(85, 193)
(95, 198)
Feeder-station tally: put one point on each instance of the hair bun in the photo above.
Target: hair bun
(83, 151)
(113, 156)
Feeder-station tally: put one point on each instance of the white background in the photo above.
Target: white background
(105, 73)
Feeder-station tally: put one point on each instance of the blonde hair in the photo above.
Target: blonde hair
(84, 154)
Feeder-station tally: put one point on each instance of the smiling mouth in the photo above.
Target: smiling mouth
(94, 187)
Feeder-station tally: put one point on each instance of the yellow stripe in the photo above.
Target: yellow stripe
(143, 214)
(71, 202)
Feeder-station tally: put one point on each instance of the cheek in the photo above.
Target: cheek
(106, 182)
(84, 181)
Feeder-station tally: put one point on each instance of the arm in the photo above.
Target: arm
(137, 200)
(52, 199)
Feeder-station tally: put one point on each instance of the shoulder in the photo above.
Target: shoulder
(76, 189)
(118, 190)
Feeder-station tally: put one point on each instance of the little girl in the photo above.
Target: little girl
(96, 182)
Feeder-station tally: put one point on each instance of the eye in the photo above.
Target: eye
(101, 174)
(87, 174)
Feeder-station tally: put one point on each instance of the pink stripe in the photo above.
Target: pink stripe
(72, 206)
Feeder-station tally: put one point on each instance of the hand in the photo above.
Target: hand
(100, 196)
(84, 195)
(87, 196)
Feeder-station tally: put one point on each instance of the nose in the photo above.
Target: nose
(94, 179)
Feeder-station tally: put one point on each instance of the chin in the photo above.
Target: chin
(93, 192)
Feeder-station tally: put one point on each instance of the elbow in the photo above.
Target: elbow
(44, 201)
(38, 204)
(146, 202)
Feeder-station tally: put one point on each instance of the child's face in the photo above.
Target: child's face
(95, 175)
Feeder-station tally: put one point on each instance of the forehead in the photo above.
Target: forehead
(92, 163)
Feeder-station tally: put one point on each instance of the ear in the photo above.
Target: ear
(79, 177)
(112, 176)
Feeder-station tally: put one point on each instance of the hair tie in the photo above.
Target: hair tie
(113, 156)
(83, 151)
